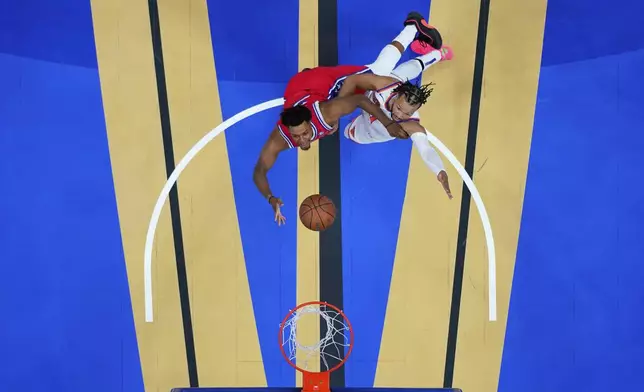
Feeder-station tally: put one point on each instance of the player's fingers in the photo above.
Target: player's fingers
(448, 191)
(445, 185)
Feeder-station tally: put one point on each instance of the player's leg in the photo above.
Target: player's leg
(390, 54)
(413, 68)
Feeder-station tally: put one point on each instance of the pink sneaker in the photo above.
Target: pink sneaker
(446, 53)
(421, 48)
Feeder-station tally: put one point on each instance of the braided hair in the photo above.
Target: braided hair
(415, 94)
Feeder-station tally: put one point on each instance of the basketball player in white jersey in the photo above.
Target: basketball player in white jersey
(400, 100)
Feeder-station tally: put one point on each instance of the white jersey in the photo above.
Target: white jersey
(365, 128)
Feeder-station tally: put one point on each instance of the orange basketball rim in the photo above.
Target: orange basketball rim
(333, 349)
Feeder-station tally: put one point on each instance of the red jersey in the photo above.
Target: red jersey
(310, 87)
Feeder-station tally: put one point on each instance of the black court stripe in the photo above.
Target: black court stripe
(472, 133)
(331, 289)
(168, 149)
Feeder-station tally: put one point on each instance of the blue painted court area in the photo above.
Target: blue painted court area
(247, 78)
(67, 319)
(578, 30)
(55, 31)
(575, 314)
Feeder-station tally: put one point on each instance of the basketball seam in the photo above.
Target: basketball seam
(303, 214)
(330, 214)
(311, 221)
(320, 218)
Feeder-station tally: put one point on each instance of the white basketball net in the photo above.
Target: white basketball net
(330, 347)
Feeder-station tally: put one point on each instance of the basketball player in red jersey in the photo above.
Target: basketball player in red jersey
(312, 109)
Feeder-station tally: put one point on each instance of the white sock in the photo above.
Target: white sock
(430, 58)
(406, 36)
(413, 68)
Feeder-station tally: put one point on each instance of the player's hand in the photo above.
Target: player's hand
(396, 130)
(442, 178)
(276, 203)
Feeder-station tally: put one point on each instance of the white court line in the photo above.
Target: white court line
(487, 227)
(156, 213)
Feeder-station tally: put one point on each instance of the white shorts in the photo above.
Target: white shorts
(363, 131)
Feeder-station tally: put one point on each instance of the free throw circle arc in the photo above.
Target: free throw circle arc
(165, 191)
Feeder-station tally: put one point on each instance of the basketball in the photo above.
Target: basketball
(317, 212)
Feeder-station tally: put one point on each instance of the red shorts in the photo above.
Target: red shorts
(320, 83)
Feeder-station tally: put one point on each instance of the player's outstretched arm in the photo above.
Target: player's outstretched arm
(431, 158)
(334, 109)
(267, 157)
(365, 82)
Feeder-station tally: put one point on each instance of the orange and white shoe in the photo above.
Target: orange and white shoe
(426, 33)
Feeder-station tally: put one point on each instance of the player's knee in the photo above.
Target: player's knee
(379, 69)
